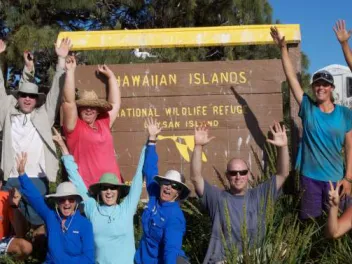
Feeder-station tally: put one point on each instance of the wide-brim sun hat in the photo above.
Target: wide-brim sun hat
(30, 88)
(91, 99)
(178, 178)
(109, 179)
(65, 189)
(323, 76)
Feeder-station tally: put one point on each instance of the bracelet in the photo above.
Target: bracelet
(151, 141)
(347, 179)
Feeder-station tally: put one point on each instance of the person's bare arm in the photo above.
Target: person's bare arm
(337, 227)
(2, 80)
(114, 93)
(346, 189)
(201, 138)
(283, 158)
(69, 107)
(287, 65)
(343, 36)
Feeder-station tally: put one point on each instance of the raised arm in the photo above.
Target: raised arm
(201, 138)
(283, 158)
(150, 167)
(71, 166)
(287, 65)
(53, 99)
(337, 227)
(343, 36)
(69, 106)
(28, 189)
(2, 80)
(114, 93)
(28, 70)
(346, 182)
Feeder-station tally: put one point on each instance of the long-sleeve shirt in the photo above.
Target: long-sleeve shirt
(164, 224)
(76, 244)
(112, 225)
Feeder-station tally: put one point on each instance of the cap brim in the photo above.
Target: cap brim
(323, 79)
(123, 189)
(185, 190)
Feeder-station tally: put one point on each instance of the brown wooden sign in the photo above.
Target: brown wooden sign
(238, 99)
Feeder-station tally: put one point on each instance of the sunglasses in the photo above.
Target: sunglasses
(236, 172)
(173, 185)
(324, 75)
(64, 199)
(108, 187)
(25, 95)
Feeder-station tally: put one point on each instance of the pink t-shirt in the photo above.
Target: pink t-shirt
(93, 149)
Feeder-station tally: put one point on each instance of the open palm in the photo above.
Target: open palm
(340, 30)
(153, 127)
(201, 135)
(64, 47)
(279, 135)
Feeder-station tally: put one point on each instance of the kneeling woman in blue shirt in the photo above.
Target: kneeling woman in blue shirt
(163, 222)
(70, 235)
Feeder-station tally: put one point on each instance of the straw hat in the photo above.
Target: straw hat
(109, 179)
(176, 177)
(65, 189)
(30, 88)
(90, 98)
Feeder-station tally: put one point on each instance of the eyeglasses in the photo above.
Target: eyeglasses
(236, 172)
(109, 187)
(64, 199)
(323, 75)
(173, 185)
(25, 95)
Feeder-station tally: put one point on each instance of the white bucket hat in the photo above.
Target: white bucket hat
(65, 189)
(176, 177)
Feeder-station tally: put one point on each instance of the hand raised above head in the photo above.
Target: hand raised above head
(28, 58)
(70, 63)
(201, 135)
(64, 47)
(153, 128)
(104, 69)
(341, 32)
(2, 46)
(279, 135)
(277, 37)
(21, 162)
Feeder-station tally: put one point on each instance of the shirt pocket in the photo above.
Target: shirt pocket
(156, 228)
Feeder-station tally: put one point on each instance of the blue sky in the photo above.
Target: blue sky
(316, 18)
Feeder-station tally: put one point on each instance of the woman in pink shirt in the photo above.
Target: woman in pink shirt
(87, 124)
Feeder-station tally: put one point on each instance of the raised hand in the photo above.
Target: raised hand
(201, 135)
(64, 48)
(105, 70)
(21, 162)
(28, 60)
(15, 197)
(2, 46)
(70, 63)
(340, 30)
(334, 196)
(279, 135)
(153, 128)
(60, 141)
(277, 37)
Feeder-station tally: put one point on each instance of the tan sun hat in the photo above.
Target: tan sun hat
(30, 88)
(90, 98)
(176, 177)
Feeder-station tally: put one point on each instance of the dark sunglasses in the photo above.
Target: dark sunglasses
(236, 172)
(324, 75)
(173, 185)
(108, 187)
(64, 199)
(25, 95)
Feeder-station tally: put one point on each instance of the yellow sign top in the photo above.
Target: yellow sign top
(179, 37)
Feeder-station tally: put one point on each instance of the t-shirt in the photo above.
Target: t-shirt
(25, 138)
(252, 205)
(5, 215)
(93, 149)
(320, 154)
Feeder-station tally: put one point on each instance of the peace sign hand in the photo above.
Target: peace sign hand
(21, 163)
(334, 196)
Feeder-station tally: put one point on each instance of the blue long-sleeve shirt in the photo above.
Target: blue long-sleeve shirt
(112, 225)
(73, 246)
(164, 224)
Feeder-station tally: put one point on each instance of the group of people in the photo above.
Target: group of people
(29, 161)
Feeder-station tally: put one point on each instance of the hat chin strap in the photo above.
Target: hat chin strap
(63, 226)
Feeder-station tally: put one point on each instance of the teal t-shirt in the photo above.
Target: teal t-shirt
(320, 154)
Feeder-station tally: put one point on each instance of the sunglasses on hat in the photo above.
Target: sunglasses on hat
(323, 76)
(25, 95)
(108, 187)
(236, 172)
(173, 185)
